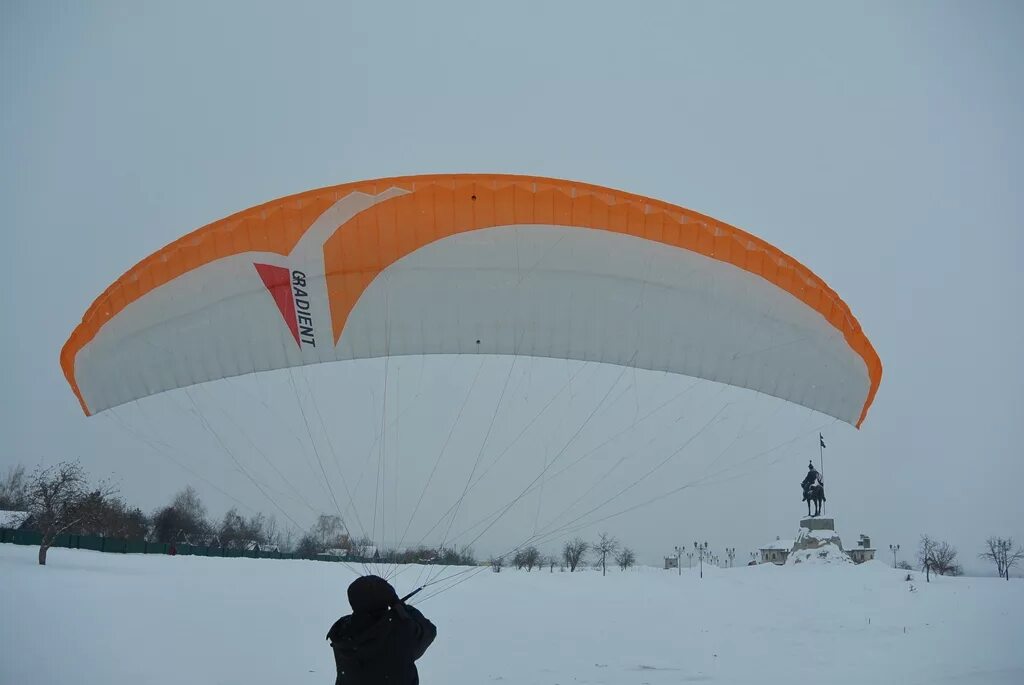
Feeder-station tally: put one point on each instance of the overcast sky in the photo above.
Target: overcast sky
(879, 143)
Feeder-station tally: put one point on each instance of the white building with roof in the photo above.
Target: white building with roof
(776, 552)
(13, 519)
(863, 551)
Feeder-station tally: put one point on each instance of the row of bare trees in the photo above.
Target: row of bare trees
(61, 500)
(329, 535)
(573, 556)
(938, 556)
(185, 520)
(606, 547)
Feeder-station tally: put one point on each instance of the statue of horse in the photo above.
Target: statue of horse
(815, 493)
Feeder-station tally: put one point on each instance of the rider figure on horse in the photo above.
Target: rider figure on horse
(810, 479)
(814, 489)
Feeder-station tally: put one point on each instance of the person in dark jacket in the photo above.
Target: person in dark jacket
(382, 638)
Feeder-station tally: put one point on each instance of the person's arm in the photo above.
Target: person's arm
(423, 631)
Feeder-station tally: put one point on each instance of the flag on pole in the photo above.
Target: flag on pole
(822, 440)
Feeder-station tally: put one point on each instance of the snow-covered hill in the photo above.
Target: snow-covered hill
(92, 618)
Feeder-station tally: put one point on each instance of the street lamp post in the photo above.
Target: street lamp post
(689, 559)
(730, 552)
(701, 549)
(679, 559)
(894, 548)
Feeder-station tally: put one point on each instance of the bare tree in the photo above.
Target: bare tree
(330, 533)
(904, 566)
(1003, 554)
(286, 539)
(531, 557)
(14, 489)
(944, 562)
(574, 552)
(183, 520)
(625, 558)
(925, 553)
(450, 556)
(58, 499)
(273, 535)
(238, 532)
(606, 545)
(937, 557)
(362, 546)
(109, 516)
(307, 546)
(190, 504)
(527, 558)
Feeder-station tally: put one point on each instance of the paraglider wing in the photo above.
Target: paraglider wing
(479, 264)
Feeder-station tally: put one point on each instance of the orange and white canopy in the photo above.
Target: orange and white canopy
(477, 264)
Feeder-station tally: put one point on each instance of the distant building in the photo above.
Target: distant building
(863, 551)
(13, 519)
(671, 562)
(254, 546)
(776, 552)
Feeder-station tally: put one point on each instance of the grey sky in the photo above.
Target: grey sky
(880, 144)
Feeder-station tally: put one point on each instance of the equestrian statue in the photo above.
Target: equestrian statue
(814, 489)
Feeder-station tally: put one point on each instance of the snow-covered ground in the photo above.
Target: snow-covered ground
(92, 618)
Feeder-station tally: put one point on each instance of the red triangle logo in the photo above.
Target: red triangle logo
(278, 280)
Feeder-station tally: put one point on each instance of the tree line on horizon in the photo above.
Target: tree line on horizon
(572, 557)
(60, 500)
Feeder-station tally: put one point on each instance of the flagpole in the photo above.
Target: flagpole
(821, 461)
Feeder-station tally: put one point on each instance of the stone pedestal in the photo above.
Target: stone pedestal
(818, 523)
(818, 543)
